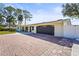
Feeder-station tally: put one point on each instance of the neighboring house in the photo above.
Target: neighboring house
(60, 28)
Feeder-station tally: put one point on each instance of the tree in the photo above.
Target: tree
(27, 16)
(71, 10)
(9, 14)
(9, 10)
(1, 15)
(10, 19)
(20, 19)
(14, 22)
(1, 18)
(1, 7)
(18, 12)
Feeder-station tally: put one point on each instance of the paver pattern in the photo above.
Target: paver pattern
(27, 45)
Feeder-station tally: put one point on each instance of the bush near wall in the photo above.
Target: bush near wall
(11, 29)
(6, 29)
(1, 28)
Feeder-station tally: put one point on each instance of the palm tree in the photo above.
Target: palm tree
(27, 16)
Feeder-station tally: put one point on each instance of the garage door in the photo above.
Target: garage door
(46, 30)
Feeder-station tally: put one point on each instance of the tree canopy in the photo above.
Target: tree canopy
(12, 14)
(71, 10)
(9, 10)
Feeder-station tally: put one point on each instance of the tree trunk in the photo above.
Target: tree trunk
(9, 26)
(20, 26)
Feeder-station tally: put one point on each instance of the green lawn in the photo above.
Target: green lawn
(6, 32)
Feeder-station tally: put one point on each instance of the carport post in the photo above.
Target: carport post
(28, 28)
(35, 30)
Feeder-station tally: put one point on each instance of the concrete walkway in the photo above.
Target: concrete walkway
(26, 45)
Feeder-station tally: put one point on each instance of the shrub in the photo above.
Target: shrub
(11, 29)
(1, 28)
(6, 29)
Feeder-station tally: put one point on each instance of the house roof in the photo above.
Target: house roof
(73, 22)
(48, 22)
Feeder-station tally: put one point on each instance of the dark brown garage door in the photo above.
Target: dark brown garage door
(46, 30)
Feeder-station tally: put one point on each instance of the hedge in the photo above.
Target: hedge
(6, 29)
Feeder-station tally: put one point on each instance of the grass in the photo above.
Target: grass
(6, 32)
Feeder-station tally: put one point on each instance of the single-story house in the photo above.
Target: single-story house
(59, 28)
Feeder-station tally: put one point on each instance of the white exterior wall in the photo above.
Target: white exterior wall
(69, 30)
(58, 30)
(28, 28)
(34, 31)
(77, 31)
(65, 29)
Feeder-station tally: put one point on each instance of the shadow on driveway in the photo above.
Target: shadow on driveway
(57, 40)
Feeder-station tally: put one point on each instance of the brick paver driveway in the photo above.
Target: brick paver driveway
(29, 45)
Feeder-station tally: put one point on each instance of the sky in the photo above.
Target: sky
(41, 12)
